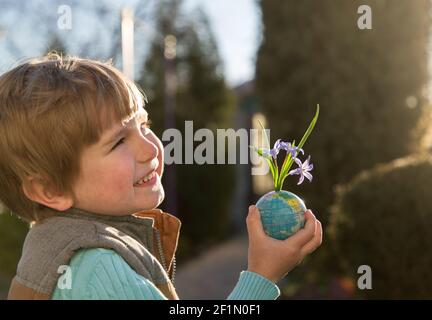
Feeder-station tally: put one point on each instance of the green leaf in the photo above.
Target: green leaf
(265, 134)
(272, 164)
(311, 127)
(272, 169)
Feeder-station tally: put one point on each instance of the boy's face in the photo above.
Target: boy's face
(111, 168)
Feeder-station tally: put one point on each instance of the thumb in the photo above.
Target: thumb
(254, 224)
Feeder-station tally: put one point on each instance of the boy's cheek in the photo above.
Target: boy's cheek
(160, 147)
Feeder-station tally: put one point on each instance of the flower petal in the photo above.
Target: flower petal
(298, 161)
(308, 176)
(295, 171)
(285, 146)
(266, 153)
(301, 179)
(277, 144)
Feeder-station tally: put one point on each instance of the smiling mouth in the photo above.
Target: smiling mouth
(146, 179)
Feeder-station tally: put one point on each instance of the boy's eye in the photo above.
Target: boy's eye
(144, 126)
(118, 143)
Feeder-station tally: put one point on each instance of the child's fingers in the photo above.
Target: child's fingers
(316, 241)
(306, 234)
(254, 225)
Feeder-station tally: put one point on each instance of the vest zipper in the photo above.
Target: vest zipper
(161, 254)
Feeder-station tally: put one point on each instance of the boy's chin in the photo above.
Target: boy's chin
(161, 197)
(156, 201)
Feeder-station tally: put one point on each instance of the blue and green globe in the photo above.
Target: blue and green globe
(282, 213)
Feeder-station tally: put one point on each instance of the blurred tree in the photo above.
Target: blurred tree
(370, 84)
(204, 191)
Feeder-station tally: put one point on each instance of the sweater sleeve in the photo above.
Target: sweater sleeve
(252, 286)
(102, 274)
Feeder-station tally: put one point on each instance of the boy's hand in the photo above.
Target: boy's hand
(273, 258)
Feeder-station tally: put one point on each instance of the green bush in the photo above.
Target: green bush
(382, 218)
(12, 235)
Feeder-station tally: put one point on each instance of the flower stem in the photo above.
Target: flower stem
(276, 177)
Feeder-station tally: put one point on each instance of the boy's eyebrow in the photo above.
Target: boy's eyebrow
(139, 116)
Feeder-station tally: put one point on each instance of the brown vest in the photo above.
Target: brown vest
(142, 230)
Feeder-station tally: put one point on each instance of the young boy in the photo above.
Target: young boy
(79, 162)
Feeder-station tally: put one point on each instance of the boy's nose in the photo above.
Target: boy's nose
(146, 150)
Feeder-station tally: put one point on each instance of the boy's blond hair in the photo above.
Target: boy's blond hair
(50, 109)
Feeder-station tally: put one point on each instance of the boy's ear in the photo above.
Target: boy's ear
(36, 190)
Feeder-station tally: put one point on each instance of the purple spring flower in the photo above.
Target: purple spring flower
(270, 152)
(302, 170)
(273, 152)
(281, 145)
(295, 150)
(288, 147)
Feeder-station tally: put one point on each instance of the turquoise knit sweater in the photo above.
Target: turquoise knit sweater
(102, 274)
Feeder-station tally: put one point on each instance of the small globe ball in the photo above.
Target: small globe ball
(282, 213)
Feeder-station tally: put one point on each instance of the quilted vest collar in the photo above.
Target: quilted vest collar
(154, 230)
